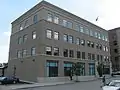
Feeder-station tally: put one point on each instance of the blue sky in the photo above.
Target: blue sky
(107, 10)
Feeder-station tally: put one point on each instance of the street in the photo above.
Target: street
(91, 85)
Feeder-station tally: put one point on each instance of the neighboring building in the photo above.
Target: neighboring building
(114, 39)
(3, 69)
(47, 40)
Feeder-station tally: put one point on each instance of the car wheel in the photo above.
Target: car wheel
(14, 82)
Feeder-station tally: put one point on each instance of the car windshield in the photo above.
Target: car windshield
(117, 84)
(1, 78)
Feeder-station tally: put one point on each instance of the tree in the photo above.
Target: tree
(100, 69)
(77, 70)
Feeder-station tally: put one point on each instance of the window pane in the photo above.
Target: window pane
(96, 35)
(24, 38)
(77, 28)
(70, 39)
(49, 18)
(69, 25)
(65, 52)
(56, 51)
(71, 53)
(19, 54)
(19, 40)
(65, 37)
(21, 27)
(35, 19)
(78, 41)
(87, 32)
(64, 23)
(34, 35)
(82, 42)
(33, 50)
(26, 23)
(56, 35)
(78, 54)
(88, 43)
(83, 55)
(81, 29)
(24, 53)
(49, 34)
(91, 33)
(56, 20)
(48, 50)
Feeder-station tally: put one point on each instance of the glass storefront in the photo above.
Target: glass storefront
(91, 69)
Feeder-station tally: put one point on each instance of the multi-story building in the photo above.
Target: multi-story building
(47, 40)
(114, 36)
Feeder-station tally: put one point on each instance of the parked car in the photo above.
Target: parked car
(115, 73)
(8, 80)
(113, 85)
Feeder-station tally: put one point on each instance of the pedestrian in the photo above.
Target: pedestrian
(70, 75)
(104, 81)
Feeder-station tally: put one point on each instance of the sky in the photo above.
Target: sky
(107, 10)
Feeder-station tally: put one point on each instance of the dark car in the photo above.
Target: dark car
(8, 80)
(115, 73)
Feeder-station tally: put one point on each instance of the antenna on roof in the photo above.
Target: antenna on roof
(97, 18)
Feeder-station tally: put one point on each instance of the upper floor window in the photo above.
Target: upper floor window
(19, 40)
(21, 27)
(33, 51)
(56, 51)
(99, 36)
(88, 43)
(19, 54)
(100, 46)
(26, 23)
(81, 29)
(69, 24)
(116, 50)
(89, 56)
(49, 50)
(34, 35)
(78, 54)
(56, 20)
(104, 48)
(83, 55)
(25, 38)
(93, 56)
(71, 53)
(91, 33)
(70, 39)
(56, 35)
(115, 42)
(96, 35)
(92, 44)
(77, 27)
(65, 52)
(78, 41)
(64, 23)
(35, 18)
(24, 53)
(87, 31)
(82, 42)
(97, 46)
(49, 34)
(65, 37)
(49, 17)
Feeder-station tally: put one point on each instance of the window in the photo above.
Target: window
(101, 58)
(99, 36)
(35, 19)
(56, 35)
(56, 51)
(78, 54)
(71, 53)
(83, 55)
(87, 32)
(70, 39)
(115, 43)
(69, 25)
(21, 27)
(49, 50)
(88, 43)
(77, 27)
(82, 42)
(81, 29)
(89, 56)
(49, 34)
(96, 35)
(91, 33)
(24, 53)
(116, 50)
(19, 54)
(25, 38)
(91, 69)
(64, 23)
(26, 23)
(65, 37)
(104, 48)
(100, 46)
(49, 18)
(33, 51)
(19, 40)
(103, 37)
(65, 53)
(97, 46)
(67, 68)
(78, 41)
(56, 20)
(34, 35)
(52, 68)
(92, 44)
(93, 56)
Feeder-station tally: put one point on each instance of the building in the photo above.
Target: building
(47, 40)
(115, 48)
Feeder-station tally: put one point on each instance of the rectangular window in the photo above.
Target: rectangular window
(34, 35)
(65, 37)
(70, 39)
(56, 35)
(104, 48)
(21, 27)
(96, 35)
(99, 36)
(101, 58)
(100, 46)
(49, 17)
(91, 33)
(19, 54)
(69, 25)
(25, 38)
(81, 29)
(92, 44)
(91, 69)
(56, 20)
(93, 56)
(77, 27)
(64, 23)
(65, 53)
(26, 23)
(83, 55)
(87, 32)
(89, 56)
(67, 68)
(33, 51)
(71, 53)
(19, 40)
(97, 46)
(56, 51)
(78, 54)
(35, 19)
(24, 53)
(116, 50)
(49, 34)
(88, 43)
(49, 50)
(78, 41)
(82, 42)
(115, 43)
